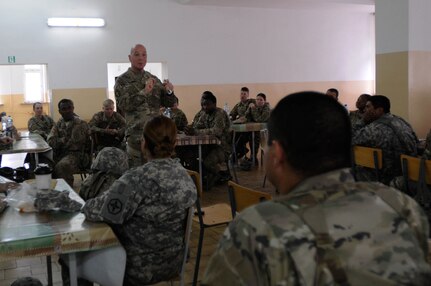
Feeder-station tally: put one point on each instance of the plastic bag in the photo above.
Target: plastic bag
(22, 198)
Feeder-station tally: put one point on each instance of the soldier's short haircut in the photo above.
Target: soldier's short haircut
(208, 95)
(380, 101)
(334, 90)
(108, 102)
(65, 101)
(314, 131)
(261, 95)
(36, 103)
(244, 88)
(160, 135)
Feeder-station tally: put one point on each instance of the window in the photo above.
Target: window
(35, 83)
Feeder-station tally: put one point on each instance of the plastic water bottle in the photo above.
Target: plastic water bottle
(4, 122)
(168, 112)
(226, 107)
(9, 124)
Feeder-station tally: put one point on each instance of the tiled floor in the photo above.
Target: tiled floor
(36, 267)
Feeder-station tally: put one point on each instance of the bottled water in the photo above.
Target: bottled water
(168, 112)
(9, 124)
(4, 122)
(226, 107)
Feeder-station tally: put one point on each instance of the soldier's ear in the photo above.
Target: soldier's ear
(279, 156)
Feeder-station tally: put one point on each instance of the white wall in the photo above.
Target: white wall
(420, 25)
(201, 45)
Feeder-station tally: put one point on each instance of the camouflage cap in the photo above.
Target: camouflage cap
(111, 159)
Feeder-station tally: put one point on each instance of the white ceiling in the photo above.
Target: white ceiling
(349, 5)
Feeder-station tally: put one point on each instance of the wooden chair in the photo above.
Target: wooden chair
(242, 197)
(416, 170)
(214, 215)
(187, 233)
(369, 158)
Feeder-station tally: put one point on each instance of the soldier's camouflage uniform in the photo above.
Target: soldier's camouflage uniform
(258, 114)
(179, 118)
(368, 234)
(41, 126)
(98, 125)
(138, 107)
(108, 166)
(394, 136)
(238, 112)
(216, 123)
(356, 119)
(70, 142)
(146, 208)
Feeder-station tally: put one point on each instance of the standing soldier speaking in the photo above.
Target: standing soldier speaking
(139, 96)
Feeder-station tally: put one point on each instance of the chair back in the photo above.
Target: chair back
(196, 179)
(411, 167)
(242, 197)
(368, 157)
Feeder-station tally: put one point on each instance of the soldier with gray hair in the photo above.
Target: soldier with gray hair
(146, 207)
(324, 228)
(139, 96)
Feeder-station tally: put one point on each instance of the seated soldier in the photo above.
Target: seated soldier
(212, 120)
(107, 127)
(70, 141)
(178, 117)
(324, 228)
(258, 112)
(238, 115)
(388, 132)
(40, 123)
(154, 199)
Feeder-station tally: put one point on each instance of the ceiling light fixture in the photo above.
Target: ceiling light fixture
(76, 22)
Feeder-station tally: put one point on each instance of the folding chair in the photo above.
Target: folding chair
(214, 215)
(242, 197)
(369, 158)
(417, 170)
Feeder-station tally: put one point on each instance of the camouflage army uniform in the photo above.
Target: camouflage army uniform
(98, 125)
(41, 126)
(238, 112)
(368, 234)
(179, 118)
(218, 124)
(258, 114)
(108, 166)
(395, 137)
(138, 107)
(356, 119)
(146, 208)
(71, 144)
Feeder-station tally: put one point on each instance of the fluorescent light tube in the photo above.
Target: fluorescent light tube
(76, 22)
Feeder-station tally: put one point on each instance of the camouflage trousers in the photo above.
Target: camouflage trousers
(213, 158)
(67, 166)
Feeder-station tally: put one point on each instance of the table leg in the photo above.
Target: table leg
(36, 156)
(252, 149)
(49, 269)
(72, 270)
(200, 165)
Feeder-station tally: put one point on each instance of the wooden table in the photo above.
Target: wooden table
(188, 140)
(247, 127)
(29, 143)
(55, 232)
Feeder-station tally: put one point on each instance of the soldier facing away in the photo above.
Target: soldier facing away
(324, 228)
